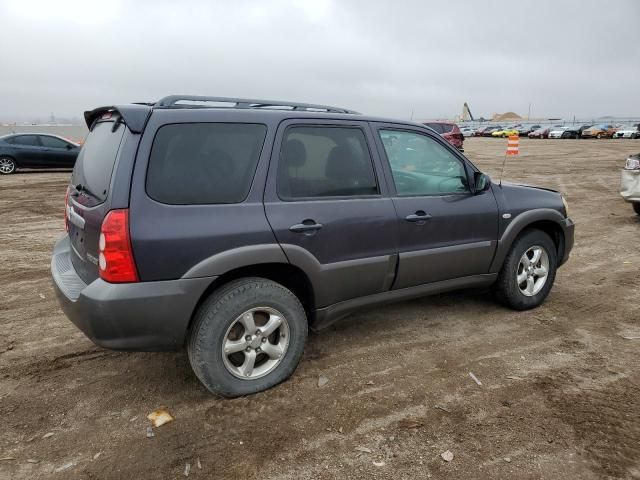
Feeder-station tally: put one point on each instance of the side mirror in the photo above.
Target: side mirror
(69, 146)
(482, 182)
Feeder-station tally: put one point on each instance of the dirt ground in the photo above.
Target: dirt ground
(560, 393)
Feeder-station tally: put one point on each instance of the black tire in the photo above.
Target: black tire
(506, 288)
(216, 316)
(7, 166)
(636, 207)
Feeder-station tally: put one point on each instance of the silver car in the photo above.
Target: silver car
(630, 184)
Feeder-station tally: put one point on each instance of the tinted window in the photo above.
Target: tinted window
(96, 159)
(435, 126)
(422, 166)
(10, 140)
(325, 162)
(52, 142)
(204, 163)
(27, 140)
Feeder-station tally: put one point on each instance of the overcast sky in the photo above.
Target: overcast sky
(380, 57)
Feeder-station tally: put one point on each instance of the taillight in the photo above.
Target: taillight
(115, 260)
(66, 210)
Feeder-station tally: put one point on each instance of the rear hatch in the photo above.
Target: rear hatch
(88, 194)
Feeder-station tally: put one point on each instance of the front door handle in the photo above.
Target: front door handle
(305, 227)
(419, 216)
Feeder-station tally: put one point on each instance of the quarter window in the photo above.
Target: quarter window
(204, 163)
(319, 161)
(52, 142)
(422, 166)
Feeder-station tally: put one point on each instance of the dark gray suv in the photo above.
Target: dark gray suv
(231, 226)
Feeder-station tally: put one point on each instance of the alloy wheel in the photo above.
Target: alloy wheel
(255, 343)
(7, 166)
(533, 270)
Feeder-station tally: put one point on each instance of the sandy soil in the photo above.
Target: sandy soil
(560, 384)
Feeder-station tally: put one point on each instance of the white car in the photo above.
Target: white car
(628, 131)
(630, 184)
(468, 131)
(556, 132)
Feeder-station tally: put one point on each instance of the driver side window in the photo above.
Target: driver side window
(421, 166)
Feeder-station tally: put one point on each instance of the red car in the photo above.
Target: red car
(449, 131)
(542, 132)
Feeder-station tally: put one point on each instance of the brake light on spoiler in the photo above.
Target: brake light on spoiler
(115, 260)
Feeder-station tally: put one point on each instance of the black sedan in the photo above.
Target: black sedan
(36, 150)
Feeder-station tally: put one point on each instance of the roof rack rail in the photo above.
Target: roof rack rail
(173, 101)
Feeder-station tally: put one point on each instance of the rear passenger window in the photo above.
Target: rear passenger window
(320, 161)
(204, 163)
(27, 140)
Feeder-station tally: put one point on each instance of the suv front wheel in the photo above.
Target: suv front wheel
(528, 272)
(247, 337)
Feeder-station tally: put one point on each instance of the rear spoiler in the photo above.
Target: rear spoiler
(133, 115)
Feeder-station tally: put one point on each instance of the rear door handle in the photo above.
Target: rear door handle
(419, 216)
(305, 227)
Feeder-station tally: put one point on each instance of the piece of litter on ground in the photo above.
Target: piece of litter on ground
(370, 382)
(41, 296)
(410, 423)
(363, 449)
(475, 379)
(97, 455)
(513, 377)
(521, 357)
(379, 463)
(447, 456)
(150, 433)
(187, 469)
(631, 337)
(160, 416)
(66, 466)
(32, 460)
(322, 381)
(133, 419)
(47, 435)
(440, 407)
(6, 459)
(507, 459)
(198, 464)
(340, 430)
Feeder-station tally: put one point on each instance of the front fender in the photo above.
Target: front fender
(522, 221)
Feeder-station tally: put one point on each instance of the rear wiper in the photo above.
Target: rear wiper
(82, 189)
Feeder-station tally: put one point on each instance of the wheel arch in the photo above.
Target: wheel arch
(546, 220)
(286, 274)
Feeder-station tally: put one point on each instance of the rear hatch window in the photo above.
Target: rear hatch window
(88, 201)
(95, 162)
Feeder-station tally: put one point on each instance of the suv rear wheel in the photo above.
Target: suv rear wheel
(636, 207)
(528, 272)
(247, 337)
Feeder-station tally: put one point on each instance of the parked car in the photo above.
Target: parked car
(35, 150)
(599, 131)
(317, 211)
(542, 132)
(628, 131)
(564, 132)
(467, 131)
(449, 131)
(630, 190)
(488, 132)
(505, 132)
(480, 130)
(525, 130)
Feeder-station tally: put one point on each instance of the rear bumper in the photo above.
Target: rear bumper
(630, 185)
(127, 316)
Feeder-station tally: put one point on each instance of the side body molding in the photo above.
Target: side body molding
(519, 223)
(228, 260)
